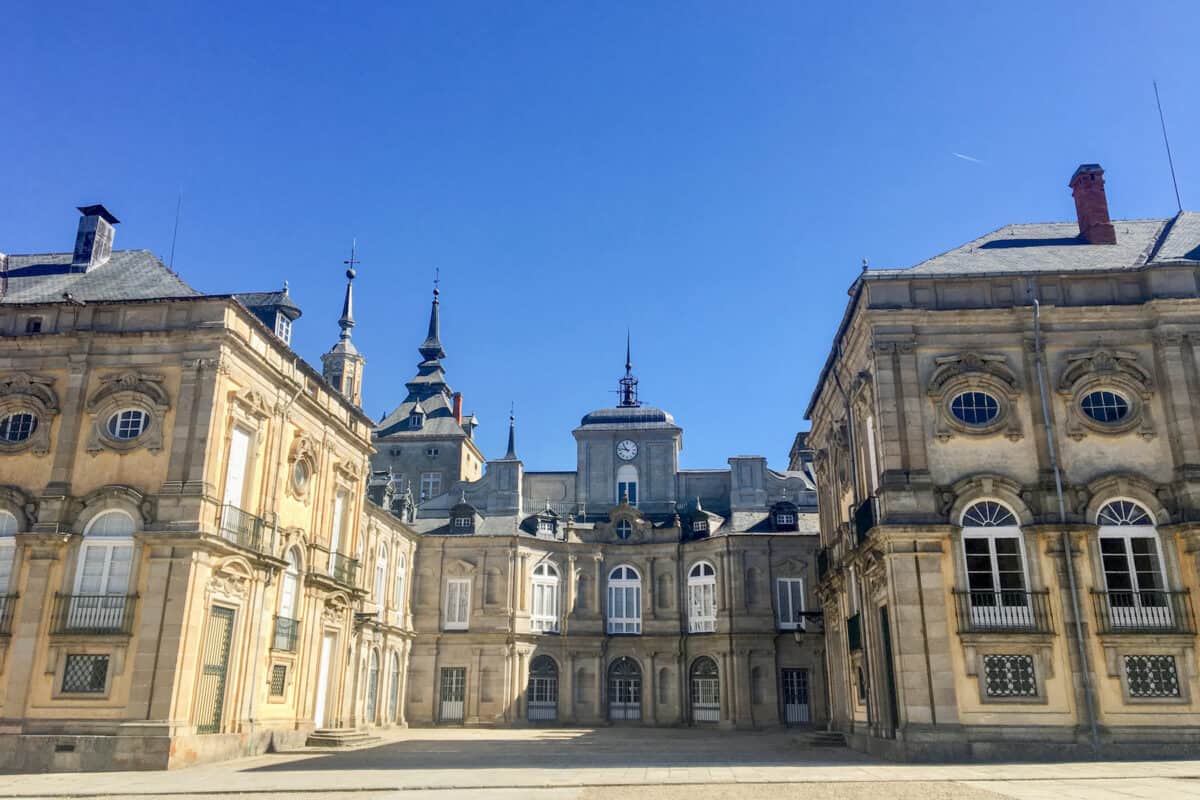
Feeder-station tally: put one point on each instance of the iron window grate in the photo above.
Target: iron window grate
(278, 679)
(1009, 676)
(85, 674)
(1151, 676)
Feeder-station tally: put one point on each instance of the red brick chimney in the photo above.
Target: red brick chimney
(1091, 205)
(458, 407)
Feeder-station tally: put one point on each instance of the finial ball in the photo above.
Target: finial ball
(351, 274)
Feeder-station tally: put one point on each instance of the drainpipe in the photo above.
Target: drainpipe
(1084, 667)
(274, 538)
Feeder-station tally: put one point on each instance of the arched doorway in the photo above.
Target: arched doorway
(624, 690)
(542, 696)
(705, 691)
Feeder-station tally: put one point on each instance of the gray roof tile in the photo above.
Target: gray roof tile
(127, 275)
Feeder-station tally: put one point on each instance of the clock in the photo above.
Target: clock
(626, 449)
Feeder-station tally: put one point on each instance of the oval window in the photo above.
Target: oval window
(624, 529)
(17, 427)
(1104, 406)
(128, 423)
(975, 408)
(300, 475)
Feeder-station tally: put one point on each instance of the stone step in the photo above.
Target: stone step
(342, 738)
(821, 739)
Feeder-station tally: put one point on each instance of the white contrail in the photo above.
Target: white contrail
(966, 157)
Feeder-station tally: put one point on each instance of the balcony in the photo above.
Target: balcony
(865, 518)
(287, 633)
(101, 614)
(1146, 612)
(8, 602)
(1003, 611)
(854, 633)
(241, 527)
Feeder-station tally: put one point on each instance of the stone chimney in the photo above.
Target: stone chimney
(458, 407)
(93, 242)
(1091, 205)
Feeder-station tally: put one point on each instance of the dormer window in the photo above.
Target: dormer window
(545, 528)
(283, 328)
(432, 452)
(416, 420)
(784, 517)
(462, 523)
(700, 526)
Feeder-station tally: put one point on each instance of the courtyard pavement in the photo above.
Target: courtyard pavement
(585, 764)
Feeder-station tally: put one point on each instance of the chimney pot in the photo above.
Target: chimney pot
(458, 407)
(1091, 205)
(93, 240)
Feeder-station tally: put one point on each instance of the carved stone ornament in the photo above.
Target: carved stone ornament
(975, 372)
(250, 405)
(231, 579)
(302, 467)
(134, 391)
(1106, 370)
(334, 612)
(23, 393)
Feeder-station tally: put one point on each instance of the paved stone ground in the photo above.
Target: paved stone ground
(635, 763)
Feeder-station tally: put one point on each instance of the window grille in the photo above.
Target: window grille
(1009, 676)
(278, 679)
(1151, 676)
(85, 674)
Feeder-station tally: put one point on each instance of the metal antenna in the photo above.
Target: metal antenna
(175, 233)
(1170, 161)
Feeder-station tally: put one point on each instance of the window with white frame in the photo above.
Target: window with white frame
(624, 600)
(543, 616)
(627, 484)
(702, 598)
(431, 484)
(290, 585)
(995, 561)
(381, 560)
(545, 528)
(339, 519)
(283, 327)
(785, 518)
(102, 573)
(699, 526)
(789, 598)
(8, 553)
(458, 604)
(1131, 554)
(401, 569)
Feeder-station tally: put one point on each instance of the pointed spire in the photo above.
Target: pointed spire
(431, 348)
(347, 319)
(512, 436)
(628, 384)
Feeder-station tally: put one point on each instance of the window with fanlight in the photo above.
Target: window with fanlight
(997, 578)
(543, 617)
(1131, 556)
(702, 598)
(624, 600)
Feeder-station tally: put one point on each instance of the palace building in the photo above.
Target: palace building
(1007, 453)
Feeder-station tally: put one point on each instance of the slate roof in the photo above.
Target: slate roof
(279, 299)
(1056, 247)
(625, 415)
(126, 275)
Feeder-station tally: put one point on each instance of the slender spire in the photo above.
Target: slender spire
(347, 320)
(628, 384)
(431, 348)
(512, 436)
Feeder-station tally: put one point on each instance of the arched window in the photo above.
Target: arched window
(543, 617)
(8, 553)
(401, 568)
(624, 689)
(624, 600)
(627, 484)
(372, 686)
(287, 623)
(1134, 581)
(542, 695)
(705, 691)
(103, 573)
(381, 580)
(997, 583)
(702, 598)
(393, 714)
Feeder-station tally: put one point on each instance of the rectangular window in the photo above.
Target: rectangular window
(789, 594)
(702, 606)
(545, 529)
(283, 328)
(544, 616)
(431, 484)
(699, 526)
(785, 519)
(33, 325)
(278, 679)
(627, 489)
(458, 604)
(1151, 676)
(339, 517)
(1009, 676)
(85, 674)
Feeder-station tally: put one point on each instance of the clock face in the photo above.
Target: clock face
(626, 450)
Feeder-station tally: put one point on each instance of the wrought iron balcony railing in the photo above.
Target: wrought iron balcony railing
(1143, 612)
(8, 602)
(854, 633)
(287, 633)
(93, 613)
(241, 527)
(1004, 611)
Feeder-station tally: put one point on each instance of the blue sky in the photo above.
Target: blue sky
(708, 174)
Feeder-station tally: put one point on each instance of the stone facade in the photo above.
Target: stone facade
(974, 610)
